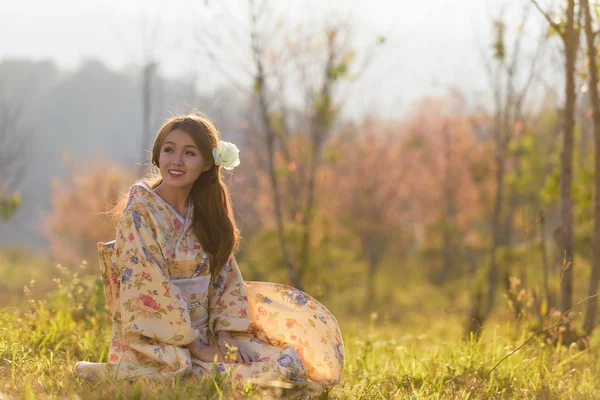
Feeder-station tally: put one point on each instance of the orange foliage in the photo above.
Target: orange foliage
(80, 203)
(381, 178)
(365, 184)
(446, 163)
(407, 175)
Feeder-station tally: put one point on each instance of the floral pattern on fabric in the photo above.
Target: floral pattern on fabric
(161, 297)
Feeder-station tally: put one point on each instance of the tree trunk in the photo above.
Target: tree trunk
(544, 261)
(591, 306)
(270, 141)
(320, 126)
(270, 136)
(566, 171)
(292, 178)
(449, 220)
(148, 76)
(512, 204)
(294, 278)
(309, 210)
(495, 225)
(372, 270)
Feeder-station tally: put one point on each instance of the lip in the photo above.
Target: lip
(176, 175)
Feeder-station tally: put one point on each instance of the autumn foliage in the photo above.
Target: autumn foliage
(81, 205)
(387, 191)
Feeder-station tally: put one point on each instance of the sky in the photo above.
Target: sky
(431, 45)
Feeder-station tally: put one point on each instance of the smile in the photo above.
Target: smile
(176, 172)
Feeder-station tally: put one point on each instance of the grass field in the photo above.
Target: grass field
(423, 355)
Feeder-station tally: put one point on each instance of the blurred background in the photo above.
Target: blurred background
(401, 161)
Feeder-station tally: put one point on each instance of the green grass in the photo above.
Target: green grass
(421, 356)
(37, 355)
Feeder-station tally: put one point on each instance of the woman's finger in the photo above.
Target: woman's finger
(245, 357)
(222, 347)
(197, 353)
(193, 352)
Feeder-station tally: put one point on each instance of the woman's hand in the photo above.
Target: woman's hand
(225, 340)
(204, 352)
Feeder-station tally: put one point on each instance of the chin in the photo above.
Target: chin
(176, 183)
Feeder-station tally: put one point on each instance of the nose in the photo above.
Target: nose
(178, 159)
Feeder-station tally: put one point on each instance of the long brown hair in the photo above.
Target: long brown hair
(213, 219)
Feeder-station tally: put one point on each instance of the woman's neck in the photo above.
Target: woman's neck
(175, 197)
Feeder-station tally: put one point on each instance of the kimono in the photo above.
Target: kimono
(161, 297)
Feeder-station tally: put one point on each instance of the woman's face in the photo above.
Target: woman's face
(180, 161)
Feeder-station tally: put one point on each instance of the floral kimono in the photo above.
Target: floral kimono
(161, 297)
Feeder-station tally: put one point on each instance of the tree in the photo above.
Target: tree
(509, 95)
(368, 191)
(80, 217)
(323, 111)
(13, 140)
(448, 196)
(568, 31)
(270, 137)
(592, 57)
(148, 73)
(385, 181)
(284, 59)
(150, 32)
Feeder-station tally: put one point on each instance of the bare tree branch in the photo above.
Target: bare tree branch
(13, 141)
(270, 137)
(553, 24)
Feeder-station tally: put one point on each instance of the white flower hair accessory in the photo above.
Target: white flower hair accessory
(226, 155)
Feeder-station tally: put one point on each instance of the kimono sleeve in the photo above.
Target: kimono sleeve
(150, 305)
(228, 303)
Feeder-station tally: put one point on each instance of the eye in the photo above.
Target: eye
(167, 150)
(191, 153)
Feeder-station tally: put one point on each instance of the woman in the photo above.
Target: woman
(175, 293)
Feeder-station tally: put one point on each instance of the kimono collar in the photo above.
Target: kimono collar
(184, 221)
